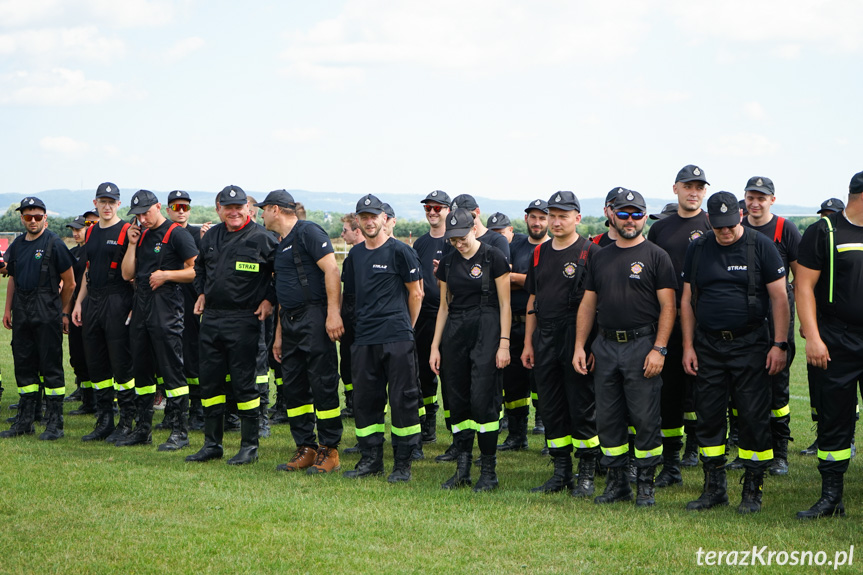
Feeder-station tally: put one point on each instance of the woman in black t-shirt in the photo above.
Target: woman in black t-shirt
(471, 345)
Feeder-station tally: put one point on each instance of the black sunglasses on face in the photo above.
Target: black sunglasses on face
(634, 215)
(435, 209)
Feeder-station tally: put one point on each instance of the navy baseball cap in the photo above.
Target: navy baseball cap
(630, 199)
(691, 173)
(465, 201)
(142, 201)
(108, 190)
(497, 221)
(856, 186)
(369, 204)
(564, 201)
(388, 210)
(723, 210)
(438, 196)
(668, 210)
(760, 184)
(31, 202)
(832, 205)
(232, 196)
(178, 195)
(537, 204)
(459, 223)
(279, 198)
(77, 223)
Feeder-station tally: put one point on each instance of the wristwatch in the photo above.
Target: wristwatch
(662, 350)
(783, 345)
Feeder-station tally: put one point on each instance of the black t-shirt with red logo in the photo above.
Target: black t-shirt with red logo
(674, 234)
(550, 281)
(464, 276)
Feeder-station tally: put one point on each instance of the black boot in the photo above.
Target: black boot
(23, 424)
(371, 463)
(487, 476)
(75, 395)
(232, 422)
(104, 416)
(54, 427)
(462, 472)
(402, 457)
(690, 452)
(450, 454)
(179, 437)
(249, 429)
(143, 432)
(812, 449)
(348, 411)
(780, 457)
(736, 464)
(616, 486)
(670, 474)
(538, 427)
(631, 469)
(126, 400)
(753, 484)
(263, 422)
(196, 414)
(715, 490)
(168, 417)
(586, 471)
(561, 478)
(213, 430)
(429, 425)
(644, 497)
(88, 402)
(517, 438)
(830, 504)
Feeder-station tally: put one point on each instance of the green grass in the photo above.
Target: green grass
(74, 507)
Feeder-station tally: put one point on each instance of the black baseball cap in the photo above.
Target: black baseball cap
(279, 198)
(612, 195)
(465, 201)
(178, 195)
(31, 202)
(388, 210)
(232, 196)
(760, 184)
(742, 205)
(629, 199)
(459, 223)
(564, 201)
(438, 196)
(723, 210)
(497, 221)
(537, 204)
(142, 201)
(370, 204)
(77, 223)
(856, 186)
(832, 205)
(108, 190)
(668, 210)
(691, 173)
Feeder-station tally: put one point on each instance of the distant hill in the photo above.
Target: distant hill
(73, 202)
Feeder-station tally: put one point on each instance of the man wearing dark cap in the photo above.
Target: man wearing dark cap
(233, 278)
(831, 206)
(309, 323)
(669, 209)
(102, 310)
(37, 312)
(555, 282)
(733, 278)
(609, 237)
(760, 196)
(430, 248)
(391, 219)
(77, 359)
(630, 292)
(829, 283)
(483, 234)
(160, 258)
(674, 234)
(384, 274)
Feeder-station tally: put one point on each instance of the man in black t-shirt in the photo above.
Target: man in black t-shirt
(829, 283)
(37, 312)
(384, 274)
(733, 277)
(630, 293)
(674, 233)
(555, 284)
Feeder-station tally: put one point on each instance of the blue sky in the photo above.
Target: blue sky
(498, 98)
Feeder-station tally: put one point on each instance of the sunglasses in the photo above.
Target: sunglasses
(179, 207)
(626, 215)
(33, 217)
(89, 222)
(435, 209)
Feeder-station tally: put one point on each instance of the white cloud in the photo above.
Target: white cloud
(64, 146)
(184, 47)
(754, 111)
(122, 14)
(82, 43)
(57, 87)
(743, 144)
(297, 135)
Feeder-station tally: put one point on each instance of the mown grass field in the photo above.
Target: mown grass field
(73, 507)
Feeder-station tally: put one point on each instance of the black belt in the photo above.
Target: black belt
(519, 318)
(626, 335)
(732, 334)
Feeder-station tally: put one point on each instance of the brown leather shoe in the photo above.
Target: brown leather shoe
(327, 461)
(304, 457)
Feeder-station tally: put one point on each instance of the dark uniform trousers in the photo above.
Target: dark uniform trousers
(424, 334)
(734, 367)
(837, 389)
(675, 388)
(262, 370)
(472, 381)
(310, 377)
(37, 342)
(372, 366)
(516, 377)
(106, 341)
(191, 334)
(347, 341)
(77, 359)
(624, 396)
(780, 409)
(229, 345)
(568, 397)
(157, 337)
